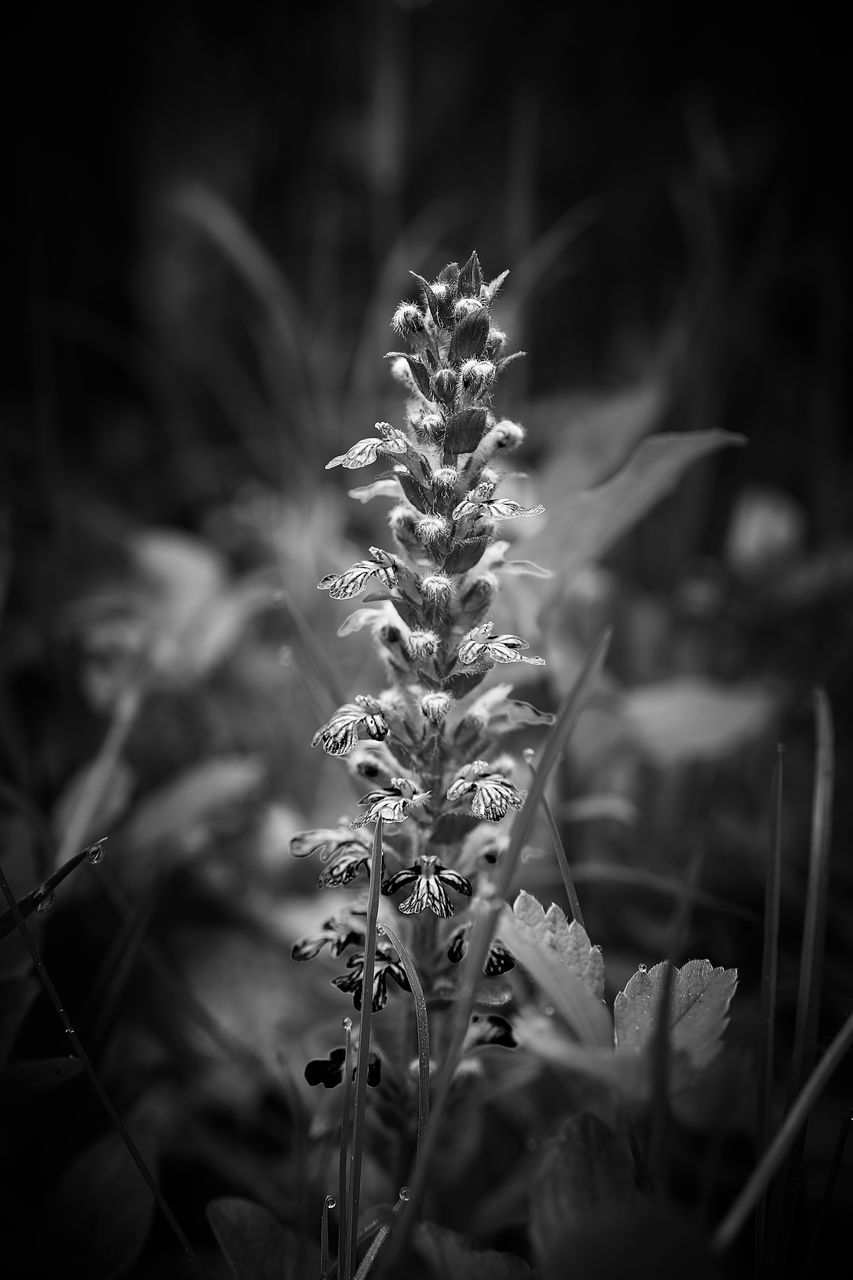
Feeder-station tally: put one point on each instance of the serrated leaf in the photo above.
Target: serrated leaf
(256, 1245)
(465, 555)
(698, 1009)
(530, 938)
(585, 525)
(569, 942)
(585, 1169)
(451, 1256)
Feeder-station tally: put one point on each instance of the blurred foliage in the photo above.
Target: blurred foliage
(212, 227)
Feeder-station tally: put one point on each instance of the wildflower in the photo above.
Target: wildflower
(364, 452)
(492, 793)
(343, 586)
(436, 587)
(345, 866)
(330, 1071)
(337, 934)
(498, 960)
(422, 644)
(340, 734)
(431, 881)
(480, 645)
(391, 805)
(384, 968)
(481, 501)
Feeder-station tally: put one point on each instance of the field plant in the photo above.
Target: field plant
(492, 1102)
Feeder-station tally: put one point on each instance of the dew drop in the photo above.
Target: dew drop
(43, 899)
(331, 1202)
(347, 1024)
(404, 1194)
(549, 1011)
(95, 852)
(642, 968)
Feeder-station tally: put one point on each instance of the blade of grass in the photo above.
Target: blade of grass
(560, 854)
(773, 1157)
(104, 1099)
(769, 978)
(365, 1019)
(484, 927)
(380, 1238)
(422, 1025)
(32, 900)
(346, 1150)
(328, 1203)
(811, 965)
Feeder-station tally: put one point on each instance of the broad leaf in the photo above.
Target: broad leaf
(698, 1009)
(256, 1245)
(451, 1256)
(585, 1169)
(693, 718)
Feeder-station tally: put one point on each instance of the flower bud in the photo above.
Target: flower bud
(408, 321)
(477, 375)
(435, 706)
(495, 343)
(444, 480)
(431, 427)
(466, 307)
(478, 596)
(404, 525)
(444, 385)
(422, 644)
(431, 529)
(436, 587)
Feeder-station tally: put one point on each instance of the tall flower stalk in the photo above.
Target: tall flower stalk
(430, 741)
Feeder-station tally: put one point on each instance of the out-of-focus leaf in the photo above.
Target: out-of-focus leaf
(176, 811)
(256, 1245)
(594, 434)
(766, 530)
(698, 1009)
(451, 1256)
(694, 718)
(100, 1211)
(531, 941)
(584, 525)
(16, 999)
(641, 1240)
(113, 799)
(585, 1169)
(24, 1080)
(569, 942)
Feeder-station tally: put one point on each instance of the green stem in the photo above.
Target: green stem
(363, 1046)
(422, 1023)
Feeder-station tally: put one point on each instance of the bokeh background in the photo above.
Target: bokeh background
(211, 213)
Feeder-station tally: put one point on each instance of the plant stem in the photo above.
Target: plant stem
(422, 1024)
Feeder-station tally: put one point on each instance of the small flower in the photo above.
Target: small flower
(444, 479)
(337, 934)
(444, 385)
(431, 881)
(384, 968)
(466, 307)
(392, 805)
(498, 960)
(489, 1029)
(340, 734)
(480, 501)
(364, 452)
(480, 645)
(330, 1071)
(493, 793)
(345, 866)
(343, 586)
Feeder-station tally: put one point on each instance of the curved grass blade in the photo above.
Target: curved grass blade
(36, 897)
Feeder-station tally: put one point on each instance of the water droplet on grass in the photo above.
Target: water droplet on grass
(43, 899)
(95, 852)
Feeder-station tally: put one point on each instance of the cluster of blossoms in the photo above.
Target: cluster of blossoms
(429, 739)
